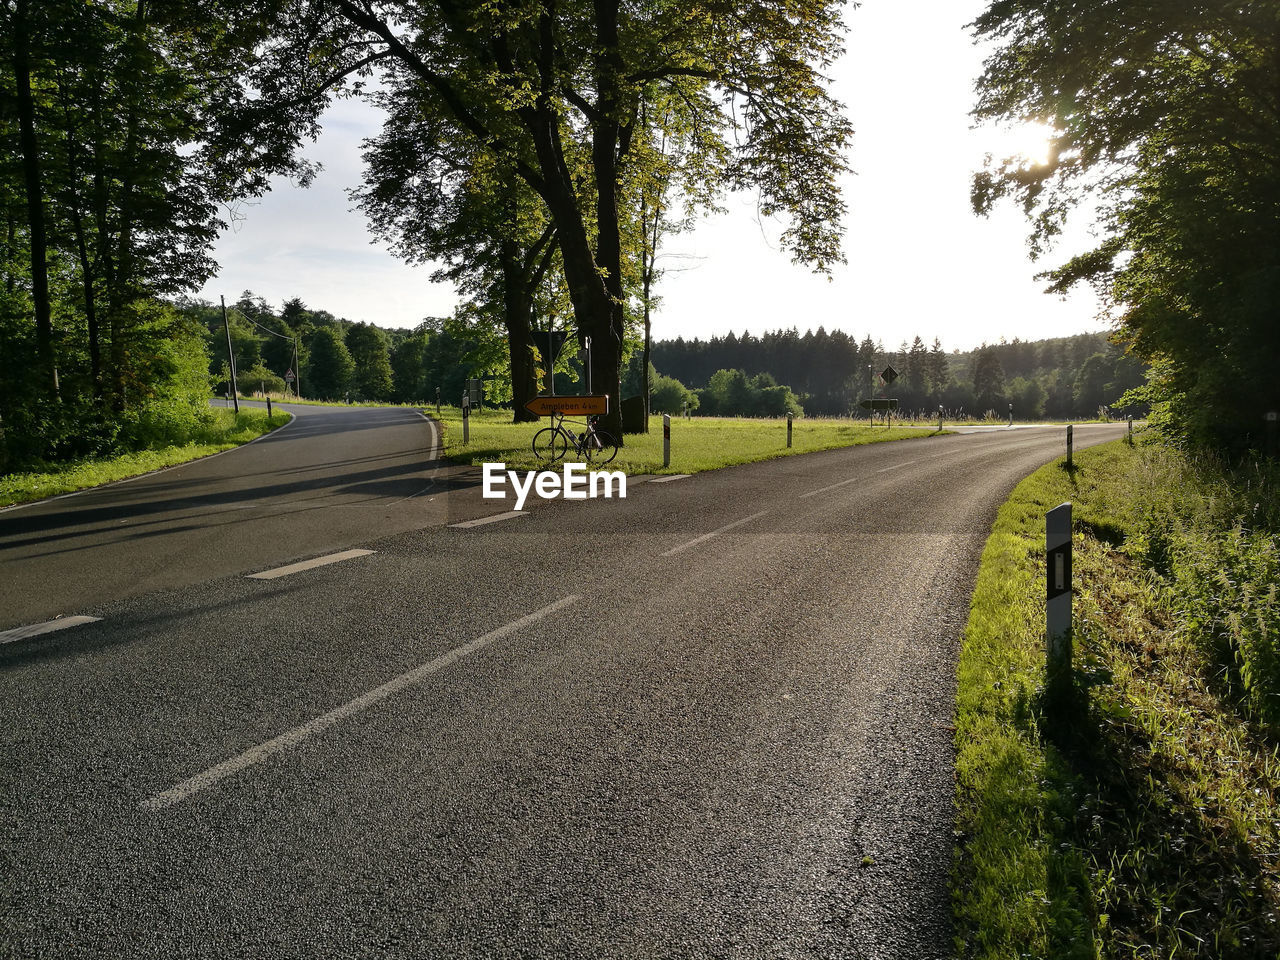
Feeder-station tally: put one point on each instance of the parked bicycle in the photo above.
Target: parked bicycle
(591, 445)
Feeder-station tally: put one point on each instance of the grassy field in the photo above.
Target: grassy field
(699, 443)
(224, 430)
(1142, 818)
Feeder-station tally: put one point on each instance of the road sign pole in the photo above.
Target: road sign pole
(788, 431)
(666, 440)
(1057, 548)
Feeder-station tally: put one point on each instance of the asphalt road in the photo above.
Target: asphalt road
(711, 719)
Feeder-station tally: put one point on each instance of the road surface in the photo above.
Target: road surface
(711, 719)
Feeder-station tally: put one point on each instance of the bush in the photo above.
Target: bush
(258, 378)
(669, 395)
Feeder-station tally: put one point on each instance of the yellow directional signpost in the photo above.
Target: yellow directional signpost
(568, 406)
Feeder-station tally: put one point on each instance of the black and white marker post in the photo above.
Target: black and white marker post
(1057, 549)
(666, 440)
(788, 431)
(466, 418)
(1068, 446)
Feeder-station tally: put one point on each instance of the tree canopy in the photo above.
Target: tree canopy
(554, 91)
(1166, 116)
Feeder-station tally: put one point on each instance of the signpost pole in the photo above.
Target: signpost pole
(1057, 546)
(666, 440)
(788, 431)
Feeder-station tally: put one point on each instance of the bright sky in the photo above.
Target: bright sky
(919, 261)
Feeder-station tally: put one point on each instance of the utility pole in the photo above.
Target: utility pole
(231, 356)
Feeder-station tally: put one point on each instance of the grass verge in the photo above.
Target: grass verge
(697, 444)
(1143, 819)
(223, 430)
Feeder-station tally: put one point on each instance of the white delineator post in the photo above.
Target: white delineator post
(466, 418)
(788, 431)
(666, 440)
(1057, 549)
(1068, 446)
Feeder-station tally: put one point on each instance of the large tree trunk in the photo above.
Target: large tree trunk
(518, 315)
(597, 314)
(48, 372)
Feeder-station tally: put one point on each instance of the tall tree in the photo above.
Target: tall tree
(371, 356)
(437, 198)
(329, 375)
(533, 82)
(1169, 114)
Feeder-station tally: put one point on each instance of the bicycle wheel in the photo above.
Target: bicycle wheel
(549, 443)
(599, 448)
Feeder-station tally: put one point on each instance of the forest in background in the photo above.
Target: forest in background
(816, 373)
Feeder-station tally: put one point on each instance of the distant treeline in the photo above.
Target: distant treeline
(830, 372)
(818, 373)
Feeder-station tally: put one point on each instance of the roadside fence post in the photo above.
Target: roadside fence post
(788, 431)
(666, 440)
(1057, 549)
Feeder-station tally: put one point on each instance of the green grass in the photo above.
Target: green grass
(222, 430)
(1142, 819)
(699, 443)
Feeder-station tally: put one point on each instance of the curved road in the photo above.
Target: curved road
(711, 719)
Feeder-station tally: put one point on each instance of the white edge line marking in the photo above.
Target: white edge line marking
(714, 533)
(308, 564)
(36, 629)
(493, 519)
(293, 737)
(676, 476)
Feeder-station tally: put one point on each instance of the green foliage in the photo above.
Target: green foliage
(1142, 821)
(1170, 129)
(329, 375)
(669, 395)
(731, 393)
(258, 380)
(218, 430)
(370, 355)
(1214, 542)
